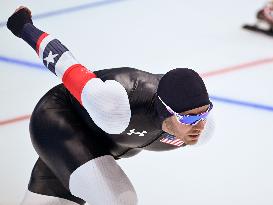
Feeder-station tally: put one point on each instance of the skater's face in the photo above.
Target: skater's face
(187, 133)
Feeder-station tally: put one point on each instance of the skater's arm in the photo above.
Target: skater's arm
(106, 102)
(54, 55)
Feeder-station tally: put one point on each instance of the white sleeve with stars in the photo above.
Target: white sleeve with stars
(106, 102)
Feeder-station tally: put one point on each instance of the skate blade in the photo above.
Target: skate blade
(259, 30)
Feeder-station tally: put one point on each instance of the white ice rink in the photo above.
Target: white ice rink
(234, 168)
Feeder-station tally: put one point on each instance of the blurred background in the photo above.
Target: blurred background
(234, 167)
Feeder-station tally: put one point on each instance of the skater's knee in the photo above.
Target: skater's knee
(32, 198)
(101, 181)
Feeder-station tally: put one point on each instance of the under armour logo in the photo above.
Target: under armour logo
(136, 133)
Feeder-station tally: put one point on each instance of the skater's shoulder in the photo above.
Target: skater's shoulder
(125, 72)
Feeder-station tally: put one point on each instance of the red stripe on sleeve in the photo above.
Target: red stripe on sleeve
(40, 39)
(75, 78)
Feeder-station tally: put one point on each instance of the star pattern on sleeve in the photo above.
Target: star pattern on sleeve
(50, 58)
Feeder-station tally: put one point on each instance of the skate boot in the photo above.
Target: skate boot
(264, 22)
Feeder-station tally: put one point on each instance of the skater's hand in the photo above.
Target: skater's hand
(18, 19)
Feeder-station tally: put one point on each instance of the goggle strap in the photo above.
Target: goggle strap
(167, 107)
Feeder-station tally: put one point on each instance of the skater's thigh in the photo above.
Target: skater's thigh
(45, 187)
(61, 138)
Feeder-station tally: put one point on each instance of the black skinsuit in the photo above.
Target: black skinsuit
(62, 132)
(65, 137)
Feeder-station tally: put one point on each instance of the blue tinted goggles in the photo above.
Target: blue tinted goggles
(188, 119)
